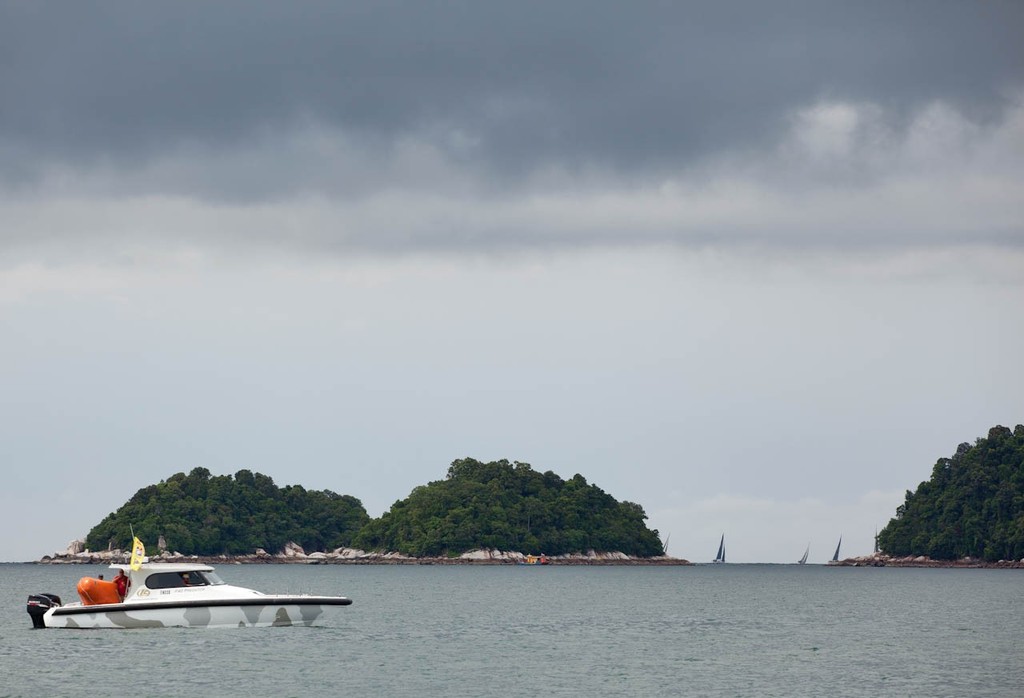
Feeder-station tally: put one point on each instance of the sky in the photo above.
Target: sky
(753, 266)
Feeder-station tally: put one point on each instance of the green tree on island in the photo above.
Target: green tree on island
(479, 505)
(201, 514)
(973, 505)
(506, 506)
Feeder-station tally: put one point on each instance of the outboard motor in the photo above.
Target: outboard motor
(38, 605)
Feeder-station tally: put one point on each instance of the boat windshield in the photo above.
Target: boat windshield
(191, 578)
(212, 578)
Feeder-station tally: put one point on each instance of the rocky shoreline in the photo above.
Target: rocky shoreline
(881, 560)
(293, 554)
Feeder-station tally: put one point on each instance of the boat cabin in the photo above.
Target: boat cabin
(149, 577)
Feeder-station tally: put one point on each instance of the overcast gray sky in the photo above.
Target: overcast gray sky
(754, 266)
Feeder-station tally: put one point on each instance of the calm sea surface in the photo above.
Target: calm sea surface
(722, 630)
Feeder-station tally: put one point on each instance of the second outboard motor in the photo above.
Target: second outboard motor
(38, 605)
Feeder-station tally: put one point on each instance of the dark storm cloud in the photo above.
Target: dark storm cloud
(624, 86)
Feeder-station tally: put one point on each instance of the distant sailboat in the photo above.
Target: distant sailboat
(835, 558)
(721, 551)
(803, 560)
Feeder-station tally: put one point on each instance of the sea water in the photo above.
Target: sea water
(706, 630)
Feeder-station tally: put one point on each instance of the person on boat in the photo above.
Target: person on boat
(185, 579)
(121, 584)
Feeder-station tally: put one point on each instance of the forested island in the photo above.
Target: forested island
(971, 511)
(971, 507)
(507, 506)
(204, 514)
(496, 506)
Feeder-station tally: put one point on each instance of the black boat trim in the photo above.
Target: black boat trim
(171, 605)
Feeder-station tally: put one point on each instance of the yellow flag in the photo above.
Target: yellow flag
(138, 552)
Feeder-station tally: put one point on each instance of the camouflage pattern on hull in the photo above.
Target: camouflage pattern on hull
(268, 615)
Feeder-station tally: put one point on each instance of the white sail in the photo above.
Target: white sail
(803, 560)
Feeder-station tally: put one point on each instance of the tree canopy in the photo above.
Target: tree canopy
(201, 514)
(973, 505)
(506, 506)
(502, 505)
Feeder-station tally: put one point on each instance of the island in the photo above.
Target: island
(970, 513)
(480, 513)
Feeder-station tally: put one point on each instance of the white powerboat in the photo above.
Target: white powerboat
(163, 594)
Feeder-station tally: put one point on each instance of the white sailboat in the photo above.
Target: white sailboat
(803, 560)
(720, 557)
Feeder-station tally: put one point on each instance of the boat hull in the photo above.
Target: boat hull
(267, 611)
